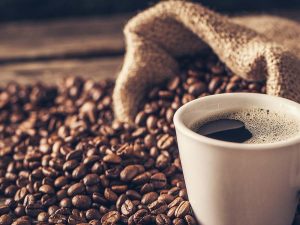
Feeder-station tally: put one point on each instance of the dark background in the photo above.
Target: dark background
(11, 10)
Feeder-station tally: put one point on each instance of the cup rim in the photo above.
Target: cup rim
(180, 126)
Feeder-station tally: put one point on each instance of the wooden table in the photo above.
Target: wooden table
(47, 51)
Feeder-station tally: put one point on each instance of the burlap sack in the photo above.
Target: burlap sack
(254, 47)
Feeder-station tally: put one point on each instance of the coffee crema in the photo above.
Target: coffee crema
(250, 126)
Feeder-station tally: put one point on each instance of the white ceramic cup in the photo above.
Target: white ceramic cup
(239, 184)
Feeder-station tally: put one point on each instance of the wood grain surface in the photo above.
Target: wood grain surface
(48, 51)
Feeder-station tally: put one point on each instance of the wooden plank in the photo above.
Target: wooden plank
(52, 71)
(57, 39)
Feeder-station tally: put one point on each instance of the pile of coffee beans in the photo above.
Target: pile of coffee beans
(64, 160)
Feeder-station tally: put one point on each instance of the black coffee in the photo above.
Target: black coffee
(226, 130)
(252, 125)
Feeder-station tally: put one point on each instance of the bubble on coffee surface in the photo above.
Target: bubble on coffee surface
(266, 126)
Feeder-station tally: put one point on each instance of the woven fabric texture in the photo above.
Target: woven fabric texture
(256, 47)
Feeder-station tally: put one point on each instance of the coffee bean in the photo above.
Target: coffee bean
(158, 180)
(162, 219)
(79, 172)
(166, 198)
(20, 194)
(182, 209)
(165, 142)
(133, 195)
(173, 83)
(142, 216)
(121, 199)
(92, 214)
(112, 158)
(58, 218)
(70, 165)
(151, 122)
(178, 221)
(19, 211)
(21, 221)
(175, 202)
(119, 188)
(129, 172)
(4, 209)
(5, 219)
(60, 181)
(190, 220)
(111, 217)
(33, 209)
(81, 201)
(65, 203)
(128, 208)
(158, 207)
(197, 88)
(140, 118)
(47, 189)
(214, 84)
(65, 152)
(110, 195)
(149, 198)
(76, 189)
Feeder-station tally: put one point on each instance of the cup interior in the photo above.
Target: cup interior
(204, 107)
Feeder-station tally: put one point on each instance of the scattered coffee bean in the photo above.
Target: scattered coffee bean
(64, 160)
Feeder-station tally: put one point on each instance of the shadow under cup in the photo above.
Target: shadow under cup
(239, 184)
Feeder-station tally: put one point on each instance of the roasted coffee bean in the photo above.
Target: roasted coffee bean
(21, 221)
(162, 219)
(61, 181)
(182, 209)
(20, 194)
(62, 150)
(6, 219)
(121, 199)
(166, 198)
(92, 214)
(158, 180)
(65, 203)
(43, 217)
(165, 141)
(119, 188)
(111, 217)
(110, 195)
(128, 208)
(11, 203)
(70, 165)
(47, 189)
(175, 202)
(149, 198)
(158, 207)
(197, 88)
(173, 83)
(178, 221)
(129, 172)
(19, 211)
(99, 198)
(133, 195)
(79, 172)
(76, 189)
(190, 220)
(33, 209)
(112, 158)
(142, 216)
(81, 201)
(4, 209)
(58, 219)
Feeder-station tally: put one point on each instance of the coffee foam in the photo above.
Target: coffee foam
(265, 125)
